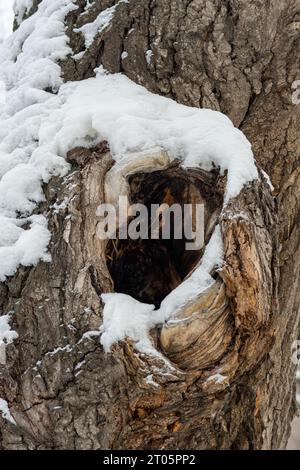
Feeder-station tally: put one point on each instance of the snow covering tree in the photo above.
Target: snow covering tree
(6, 18)
(136, 344)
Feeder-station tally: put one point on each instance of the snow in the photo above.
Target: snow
(89, 335)
(134, 120)
(149, 55)
(28, 249)
(38, 127)
(90, 30)
(79, 365)
(217, 378)
(4, 410)
(268, 180)
(6, 18)
(150, 381)
(68, 348)
(124, 316)
(7, 335)
(89, 4)
(21, 8)
(78, 56)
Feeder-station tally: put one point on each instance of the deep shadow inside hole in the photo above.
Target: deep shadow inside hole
(149, 270)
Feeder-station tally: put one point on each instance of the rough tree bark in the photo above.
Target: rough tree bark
(236, 56)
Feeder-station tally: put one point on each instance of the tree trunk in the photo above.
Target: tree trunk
(63, 390)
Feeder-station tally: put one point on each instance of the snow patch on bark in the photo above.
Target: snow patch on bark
(149, 55)
(4, 410)
(6, 19)
(90, 30)
(124, 316)
(7, 335)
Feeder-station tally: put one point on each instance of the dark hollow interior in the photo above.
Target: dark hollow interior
(149, 270)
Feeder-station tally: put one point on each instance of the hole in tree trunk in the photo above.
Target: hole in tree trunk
(149, 270)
